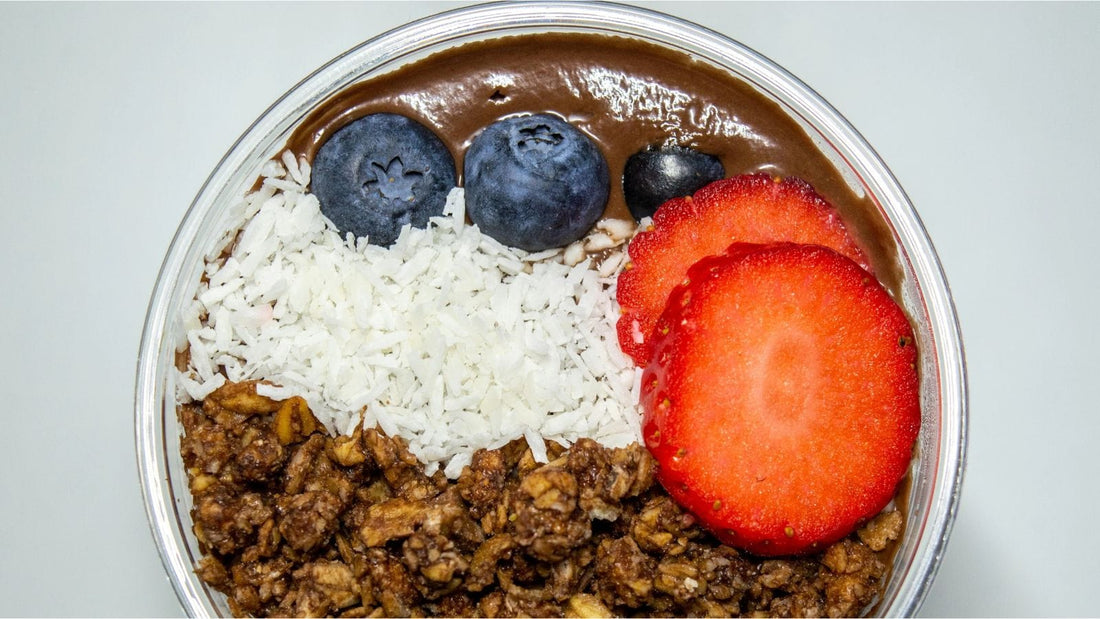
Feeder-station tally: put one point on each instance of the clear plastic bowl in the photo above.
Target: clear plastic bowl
(937, 472)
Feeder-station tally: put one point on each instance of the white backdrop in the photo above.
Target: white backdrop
(112, 115)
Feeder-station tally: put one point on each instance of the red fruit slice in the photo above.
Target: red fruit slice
(782, 400)
(754, 208)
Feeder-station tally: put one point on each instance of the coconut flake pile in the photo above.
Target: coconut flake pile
(448, 338)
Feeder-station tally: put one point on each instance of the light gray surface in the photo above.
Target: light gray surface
(111, 116)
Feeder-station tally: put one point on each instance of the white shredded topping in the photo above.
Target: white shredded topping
(448, 338)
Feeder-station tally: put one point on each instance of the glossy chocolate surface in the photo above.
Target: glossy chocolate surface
(626, 94)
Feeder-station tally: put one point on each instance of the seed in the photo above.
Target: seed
(655, 439)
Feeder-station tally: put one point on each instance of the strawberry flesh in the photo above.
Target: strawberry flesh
(781, 401)
(752, 208)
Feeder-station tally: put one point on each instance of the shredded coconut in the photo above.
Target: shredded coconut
(448, 338)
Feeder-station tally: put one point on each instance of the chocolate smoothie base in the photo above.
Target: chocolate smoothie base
(625, 94)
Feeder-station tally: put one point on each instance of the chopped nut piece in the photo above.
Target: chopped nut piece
(348, 450)
(392, 519)
(679, 578)
(551, 488)
(201, 482)
(881, 530)
(624, 572)
(294, 421)
(242, 398)
(585, 605)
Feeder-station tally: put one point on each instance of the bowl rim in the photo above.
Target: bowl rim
(150, 437)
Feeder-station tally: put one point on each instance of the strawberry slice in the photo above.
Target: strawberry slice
(782, 399)
(754, 208)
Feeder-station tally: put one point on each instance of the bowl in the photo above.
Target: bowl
(937, 470)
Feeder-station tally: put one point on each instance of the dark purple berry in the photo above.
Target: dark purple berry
(382, 172)
(654, 176)
(535, 182)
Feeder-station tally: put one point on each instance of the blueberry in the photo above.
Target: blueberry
(535, 182)
(381, 172)
(653, 176)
